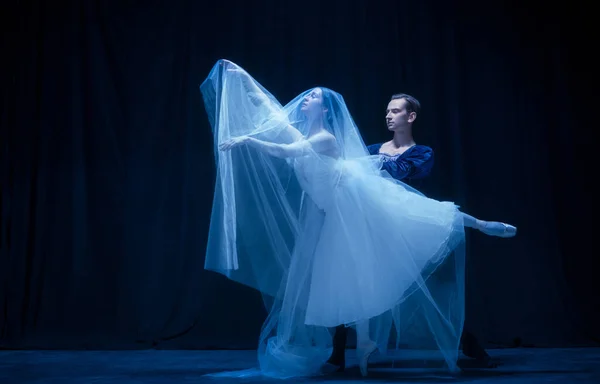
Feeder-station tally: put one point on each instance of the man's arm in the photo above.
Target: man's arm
(416, 165)
(374, 149)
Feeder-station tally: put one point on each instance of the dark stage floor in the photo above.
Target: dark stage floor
(561, 366)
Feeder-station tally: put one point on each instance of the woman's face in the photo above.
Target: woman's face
(312, 106)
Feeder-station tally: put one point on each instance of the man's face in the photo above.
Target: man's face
(396, 115)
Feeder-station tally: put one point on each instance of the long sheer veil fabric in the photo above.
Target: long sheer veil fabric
(326, 240)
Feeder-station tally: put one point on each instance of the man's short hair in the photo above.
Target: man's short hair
(412, 104)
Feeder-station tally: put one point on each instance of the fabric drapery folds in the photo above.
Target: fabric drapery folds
(325, 235)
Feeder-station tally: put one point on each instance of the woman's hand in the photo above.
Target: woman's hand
(233, 68)
(232, 143)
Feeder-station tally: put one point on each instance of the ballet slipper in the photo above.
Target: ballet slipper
(364, 351)
(493, 228)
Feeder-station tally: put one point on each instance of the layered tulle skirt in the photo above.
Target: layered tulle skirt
(379, 243)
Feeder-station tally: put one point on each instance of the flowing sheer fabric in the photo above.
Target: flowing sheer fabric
(326, 237)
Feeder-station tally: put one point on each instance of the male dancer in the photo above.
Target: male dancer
(409, 162)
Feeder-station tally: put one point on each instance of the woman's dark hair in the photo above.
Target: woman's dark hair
(332, 106)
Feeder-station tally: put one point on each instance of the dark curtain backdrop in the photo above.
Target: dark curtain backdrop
(108, 169)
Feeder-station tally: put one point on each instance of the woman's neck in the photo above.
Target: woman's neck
(315, 128)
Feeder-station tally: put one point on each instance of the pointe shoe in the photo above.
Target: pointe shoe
(493, 228)
(364, 352)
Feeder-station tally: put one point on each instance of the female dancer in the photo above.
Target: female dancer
(303, 214)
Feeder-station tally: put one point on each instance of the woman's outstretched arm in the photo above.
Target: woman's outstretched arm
(321, 143)
(259, 98)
